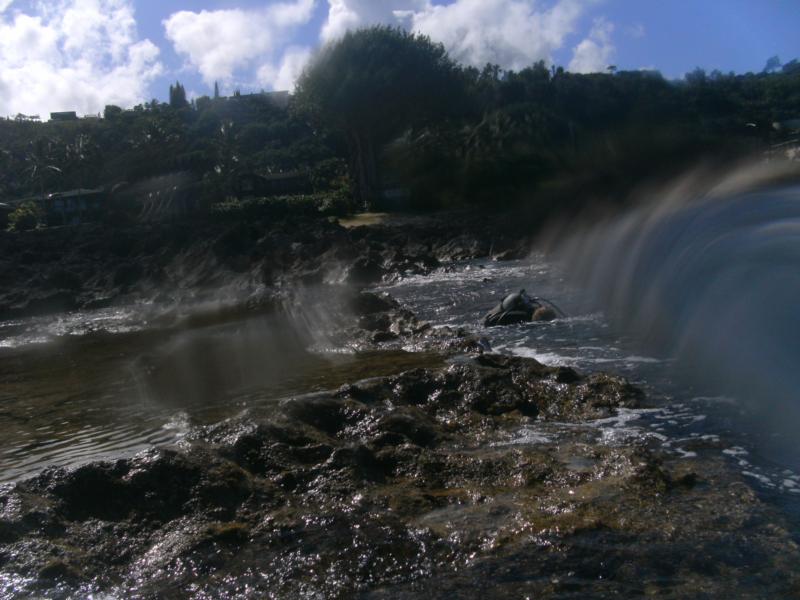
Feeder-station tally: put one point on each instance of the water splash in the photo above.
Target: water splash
(708, 272)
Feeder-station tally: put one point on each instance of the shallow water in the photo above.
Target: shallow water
(67, 399)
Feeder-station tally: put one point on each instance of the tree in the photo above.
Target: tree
(793, 66)
(41, 155)
(111, 112)
(773, 64)
(177, 96)
(374, 84)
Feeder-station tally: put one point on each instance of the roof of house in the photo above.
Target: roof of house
(76, 193)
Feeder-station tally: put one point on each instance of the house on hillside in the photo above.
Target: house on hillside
(73, 207)
(64, 116)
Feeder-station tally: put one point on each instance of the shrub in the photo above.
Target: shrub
(26, 216)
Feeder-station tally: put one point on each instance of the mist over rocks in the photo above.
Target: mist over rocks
(91, 266)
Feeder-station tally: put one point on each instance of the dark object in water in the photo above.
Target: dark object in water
(521, 308)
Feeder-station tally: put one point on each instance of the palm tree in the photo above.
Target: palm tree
(40, 158)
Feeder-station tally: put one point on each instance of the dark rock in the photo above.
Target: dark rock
(323, 413)
(98, 303)
(414, 427)
(227, 533)
(544, 313)
(58, 570)
(368, 303)
(381, 337)
(59, 301)
(365, 271)
(62, 278)
(511, 254)
(127, 274)
(375, 322)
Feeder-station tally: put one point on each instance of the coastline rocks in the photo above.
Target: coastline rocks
(83, 267)
(381, 323)
(399, 486)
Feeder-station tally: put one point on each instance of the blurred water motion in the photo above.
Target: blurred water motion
(201, 366)
(708, 273)
(78, 394)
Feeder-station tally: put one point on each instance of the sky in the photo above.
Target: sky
(59, 55)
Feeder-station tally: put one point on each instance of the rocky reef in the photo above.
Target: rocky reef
(93, 266)
(424, 483)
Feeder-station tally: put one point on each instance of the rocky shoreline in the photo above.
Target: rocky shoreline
(478, 475)
(93, 266)
(416, 484)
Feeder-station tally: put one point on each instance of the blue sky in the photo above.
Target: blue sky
(83, 54)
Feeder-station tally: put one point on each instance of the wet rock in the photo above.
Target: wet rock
(127, 274)
(544, 313)
(514, 253)
(227, 533)
(365, 271)
(64, 278)
(375, 322)
(324, 413)
(399, 486)
(409, 426)
(369, 303)
(58, 570)
(98, 303)
(381, 337)
(47, 302)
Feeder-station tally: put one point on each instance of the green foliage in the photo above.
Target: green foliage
(25, 217)
(111, 112)
(153, 140)
(384, 109)
(538, 130)
(380, 79)
(371, 85)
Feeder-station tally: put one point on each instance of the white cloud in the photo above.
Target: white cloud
(4, 4)
(74, 55)
(596, 52)
(286, 74)
(345, 15)
(226, 45)
(511, 33)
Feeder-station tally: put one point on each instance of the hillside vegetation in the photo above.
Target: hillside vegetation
(383, 109)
